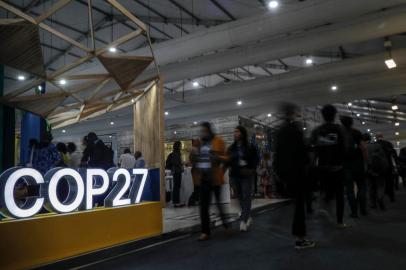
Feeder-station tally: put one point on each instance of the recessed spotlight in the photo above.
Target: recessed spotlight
(304, 128)
(334, 88)
(112, 123)
(239, 103)
(21, 77)
(369, 130)
(273, 4)
(110, 136)
(390, 63)
(269, 115)
(309, 61)
(62, 81)
(132, 100)
(166, 113)
(195, 84)
(174, 132)
(363, 122)
(397, 143)
(63, 131)
(358, 114)
(395, 107)
(349, 104)
(112, 49)
(397, 133)
(194, 123)
(397, 124)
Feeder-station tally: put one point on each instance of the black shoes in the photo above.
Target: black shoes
(304, 244)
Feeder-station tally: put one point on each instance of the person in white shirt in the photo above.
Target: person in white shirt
(127, 161)
(139, 160)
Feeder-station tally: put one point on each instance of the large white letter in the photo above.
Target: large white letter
(123, 179)
(75, 194)
(144, 173)
(90, 188)
(8, 180)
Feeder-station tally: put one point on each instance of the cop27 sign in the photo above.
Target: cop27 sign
(122, 188)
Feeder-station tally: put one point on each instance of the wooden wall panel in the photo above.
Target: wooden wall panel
(149, 130)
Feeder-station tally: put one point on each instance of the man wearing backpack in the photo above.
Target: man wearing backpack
(328, 142)
(354, 168)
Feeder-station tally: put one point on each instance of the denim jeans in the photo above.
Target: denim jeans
(244, 189)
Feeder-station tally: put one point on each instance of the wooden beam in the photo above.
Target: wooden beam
(22, 90)
(90, 9)
(80, 112)
(43, 97)
(10, 21)
(98, 89)
(17, 12)
(128, 14)
(60, 4)
(64, 37)
(87, 77)
(120, 41)
(70, 66)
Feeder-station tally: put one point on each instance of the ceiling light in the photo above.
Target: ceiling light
(358, 114)
(194, 123)
(334, 88)
(39, 87)
(390, 63)
(363, 122)
(63, 131)
(349, 104)
(369, 130)
(304, 128)
(195, 84)
(62, 82)
(397, 133)
(269, 115)
(132, 100)
(112, 49)
(397, 124)
(397, 143)
(239, 103)
(395, 107)
(309, 61)
(21, 77)
(174, 132)
(166, 113)
(273, 4)
(110, 136)
(111, 123)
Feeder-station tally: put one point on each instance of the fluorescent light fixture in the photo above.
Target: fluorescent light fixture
(390, 63)
(309, 61)
(21, 77)
(195, 84)
(111, 123)
(349, 104)
(397, 124)
(112, 49)
(63, 131)
(62, 81)
(239, 103)
(273, 4)
(166, 113)
(397, 133)
(334, 88)
(269, 115)
(395, 107)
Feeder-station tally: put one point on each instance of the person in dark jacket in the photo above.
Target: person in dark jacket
(243, 161)
(95, 154)
(174, 163)
(391, 174)
(328, 142)
(290, 161)
(402, 165)
(354, 168)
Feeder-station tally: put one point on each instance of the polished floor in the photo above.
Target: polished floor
(377, 241)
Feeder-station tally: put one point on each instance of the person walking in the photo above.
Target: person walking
(328, 142)
(127, 161)
(390, 174)
(290, 161)
(174, 164)
(354, 168)
(209, 159)
(243, 161)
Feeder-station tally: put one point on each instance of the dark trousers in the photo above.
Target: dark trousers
(376, 185)
(195, 197)
(177, 181)
(332, 188)
(390, 186)
(206, 189)
(244, 188)
(299, 216)
(357, 177)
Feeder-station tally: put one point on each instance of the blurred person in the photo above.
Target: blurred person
(83, 162)
(377, 167)
(175, 165)
(390, 174)
(195, 197)
(264, 173)
(96, 153)
(139, 160)
(354, 169)
(63, 152)
(126, 160)
(402, 165)
(290, 161)
(328, 142)
(32, 147)
(209, 159)
(46, 155)
(74, 157)
(243, 161)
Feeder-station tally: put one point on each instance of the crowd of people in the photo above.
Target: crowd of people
(337, 163)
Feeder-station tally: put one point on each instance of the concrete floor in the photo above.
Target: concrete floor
(374, 242)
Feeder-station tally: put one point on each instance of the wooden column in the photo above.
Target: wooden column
(149, 130)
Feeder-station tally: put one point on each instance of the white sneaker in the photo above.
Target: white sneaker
(249, 222)
(243, 226)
